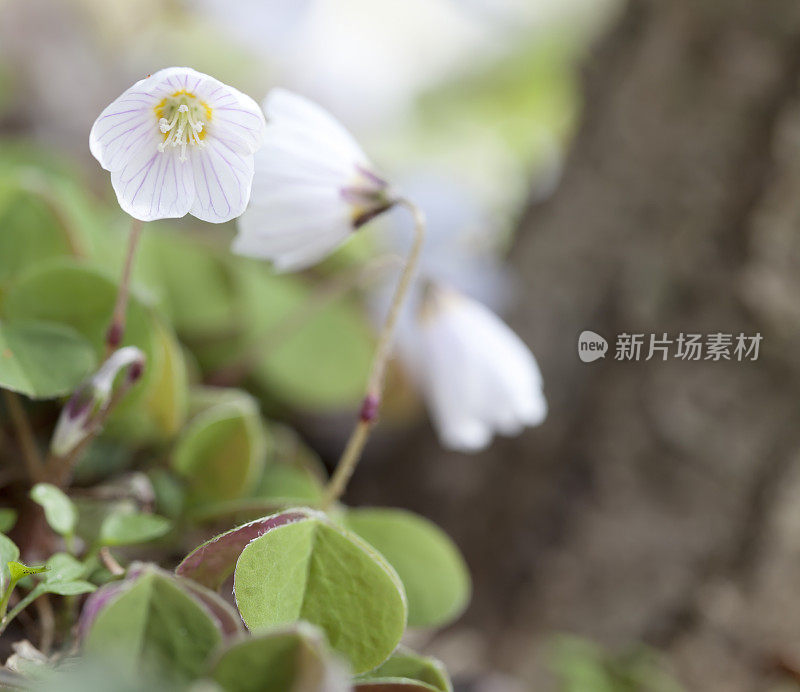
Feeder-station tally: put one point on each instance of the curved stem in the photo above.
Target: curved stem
(116, 329)
(372, 399)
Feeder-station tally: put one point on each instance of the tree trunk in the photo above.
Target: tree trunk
(658, 503)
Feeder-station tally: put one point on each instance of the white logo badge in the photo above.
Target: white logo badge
(591, 346)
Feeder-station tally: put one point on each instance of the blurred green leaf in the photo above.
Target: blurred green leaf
(581, 665)
(289, 484)
(59, 511)
(274, 661)
(8, 517)
(202, 398)
(194, 285)
(62, 567)
(38, 220)
(57, 587)
(306, 571)
(164, 409)
(434, 574)
(222, 452)
(408, 671)
(319, 362)
(90, 673)
(169, 491)
(155, 626)
(122, 528)
(8, 553)
(83, 297)
(295, 473)
(42, 360)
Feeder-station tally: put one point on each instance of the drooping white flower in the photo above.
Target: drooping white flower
(476, 374)
(85, 409)
(180, 142)
(313, 186)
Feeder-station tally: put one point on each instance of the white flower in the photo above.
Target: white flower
(313, 186)
(86, 407)
(477, 375)
(180, 142)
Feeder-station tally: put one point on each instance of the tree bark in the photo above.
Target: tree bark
(658, 501)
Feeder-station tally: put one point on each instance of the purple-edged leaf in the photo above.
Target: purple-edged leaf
(155, 625)
(96, 602)
(223, 612)
(212, 562)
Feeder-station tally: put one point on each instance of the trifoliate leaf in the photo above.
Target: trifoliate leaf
(314, 571)
(155, 625)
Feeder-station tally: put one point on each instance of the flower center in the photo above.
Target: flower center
(368, 195)
(182, 119)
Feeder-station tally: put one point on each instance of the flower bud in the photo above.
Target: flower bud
(85, 410)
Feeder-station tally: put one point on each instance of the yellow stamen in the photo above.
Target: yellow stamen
(182, 119)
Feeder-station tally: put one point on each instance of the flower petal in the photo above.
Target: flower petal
(236, 119)
(222, 181)
(294, 226)
(291, 113)
(154, 185)
(120, 128)
(477, 374)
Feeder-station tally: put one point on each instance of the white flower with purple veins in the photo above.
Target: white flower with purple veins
(313, 186)
(476, 374)
(180, 142)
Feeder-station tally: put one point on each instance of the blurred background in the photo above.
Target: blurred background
(585, 164)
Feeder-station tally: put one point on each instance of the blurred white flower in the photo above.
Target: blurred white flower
(476, 374)
(313, 186)
(180, 142)
(86, 407)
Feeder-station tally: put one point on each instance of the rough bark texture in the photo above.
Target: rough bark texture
(659, 502)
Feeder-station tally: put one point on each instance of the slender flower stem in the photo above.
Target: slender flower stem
(27, 442)
(372, 399)
(116, 329)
